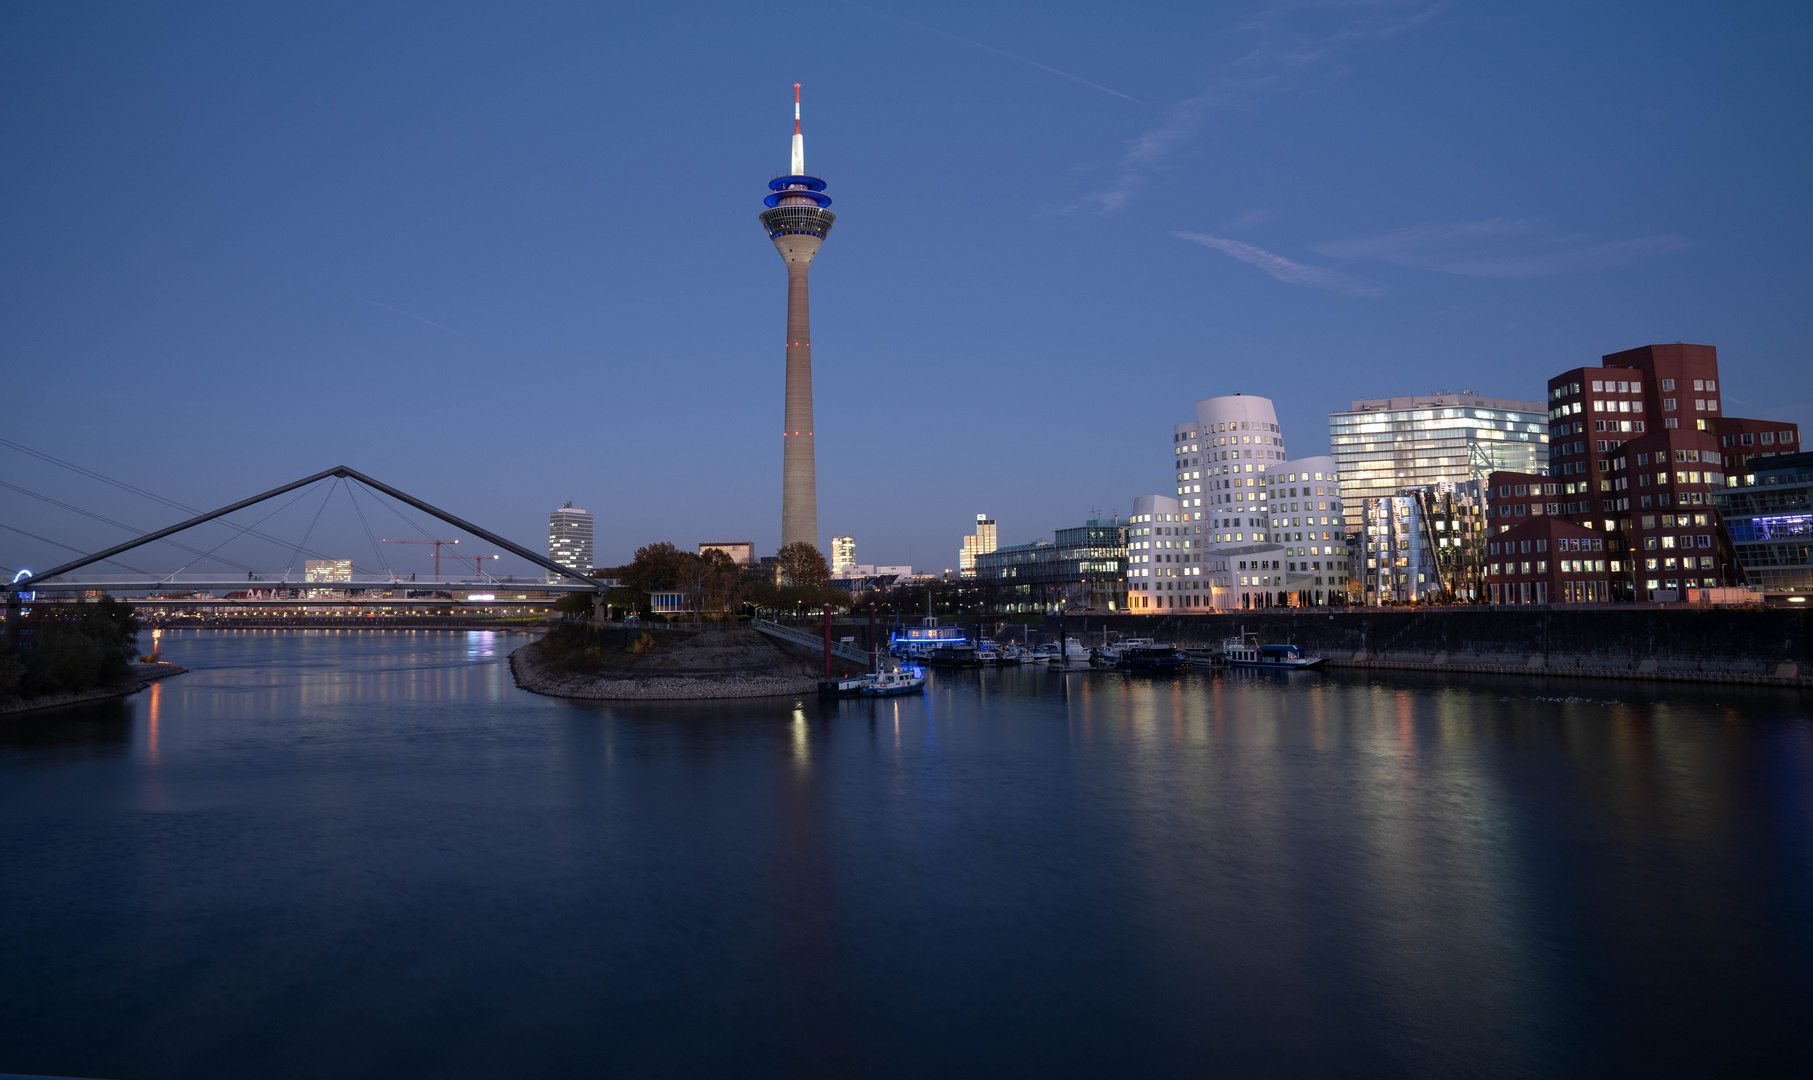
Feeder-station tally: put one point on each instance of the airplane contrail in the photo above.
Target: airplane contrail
(990, 48)
(400, 311)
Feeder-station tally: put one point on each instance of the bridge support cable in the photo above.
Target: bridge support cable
(291, 565)
(109, 521)
(154, 497)
(340, 472)
(353, 494)
(65, 547)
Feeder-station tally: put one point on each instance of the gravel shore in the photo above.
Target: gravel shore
(143, 675)
(532, 675)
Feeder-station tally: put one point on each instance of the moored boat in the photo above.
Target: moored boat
(847, 686)
(1239, 652)
(954, 656)
(892, 683)
(1159, 658)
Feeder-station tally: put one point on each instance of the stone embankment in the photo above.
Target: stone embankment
(674, 665)
(1759, 647)
(143, 675)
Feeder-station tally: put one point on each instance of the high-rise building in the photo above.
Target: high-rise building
(797, 222)
(1381, 447)
(1643, 459)
(1221, 461)
(843, 554)
(570, 540)
(977, 543)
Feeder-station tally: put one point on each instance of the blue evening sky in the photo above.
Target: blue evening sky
(504, 256)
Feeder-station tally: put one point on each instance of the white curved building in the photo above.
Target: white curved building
(1222, 462)
(1245, 520)
(1306, 516)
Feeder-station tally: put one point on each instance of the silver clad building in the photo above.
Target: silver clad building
(1381, 447)
(570, 539)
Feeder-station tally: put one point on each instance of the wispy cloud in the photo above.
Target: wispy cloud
(409, 314)
(1282, 56)
(1252, 219)
(972, 43)
(1287, 271)
(1499, 248)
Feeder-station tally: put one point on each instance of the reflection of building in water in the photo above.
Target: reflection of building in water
(1769, 510)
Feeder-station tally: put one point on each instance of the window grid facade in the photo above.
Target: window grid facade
(1381, 447)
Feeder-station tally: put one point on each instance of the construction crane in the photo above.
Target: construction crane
(438, 544)
(477, 563)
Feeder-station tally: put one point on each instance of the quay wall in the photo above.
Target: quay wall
(1747, 643)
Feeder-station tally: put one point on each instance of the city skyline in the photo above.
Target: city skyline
(423, 229)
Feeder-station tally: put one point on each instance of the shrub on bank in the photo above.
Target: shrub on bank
(71, 647)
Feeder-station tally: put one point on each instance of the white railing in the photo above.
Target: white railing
(812, 641)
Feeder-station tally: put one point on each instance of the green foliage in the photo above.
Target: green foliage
(70, 647)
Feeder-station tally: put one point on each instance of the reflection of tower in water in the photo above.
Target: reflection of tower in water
(797, 222)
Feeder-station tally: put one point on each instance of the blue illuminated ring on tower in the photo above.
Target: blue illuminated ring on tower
(810, 183)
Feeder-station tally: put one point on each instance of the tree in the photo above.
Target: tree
(656, 566)
(803, 567)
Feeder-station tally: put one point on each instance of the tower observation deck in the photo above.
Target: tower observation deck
(797, 221)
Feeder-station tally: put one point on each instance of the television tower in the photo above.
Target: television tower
(797, 222)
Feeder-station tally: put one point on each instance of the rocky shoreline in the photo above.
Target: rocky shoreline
(143, 675)
(533, 675)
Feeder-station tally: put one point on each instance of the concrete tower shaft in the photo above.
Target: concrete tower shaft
(797, 221)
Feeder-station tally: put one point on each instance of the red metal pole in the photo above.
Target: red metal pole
(827, 641)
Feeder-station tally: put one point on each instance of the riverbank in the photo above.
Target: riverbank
(143, 675)
(611, 664)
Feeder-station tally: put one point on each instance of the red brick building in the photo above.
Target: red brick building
(1550, 560)
(1636, 447)
(1743, 440)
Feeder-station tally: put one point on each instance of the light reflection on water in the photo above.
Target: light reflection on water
(365, 853)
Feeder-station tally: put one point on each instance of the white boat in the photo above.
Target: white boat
(890, 683)
(1239, 652)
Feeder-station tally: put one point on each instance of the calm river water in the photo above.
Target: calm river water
(349, 854)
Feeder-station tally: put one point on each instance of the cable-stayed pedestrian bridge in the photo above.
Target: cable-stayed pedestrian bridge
(61, 580)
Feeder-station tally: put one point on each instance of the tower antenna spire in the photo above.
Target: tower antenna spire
(799, 140)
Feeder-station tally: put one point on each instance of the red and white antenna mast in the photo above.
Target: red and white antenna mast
(799, 140)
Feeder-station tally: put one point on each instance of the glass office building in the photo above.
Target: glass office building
(1085, 568)
(1769, 510)
(1382, 447)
